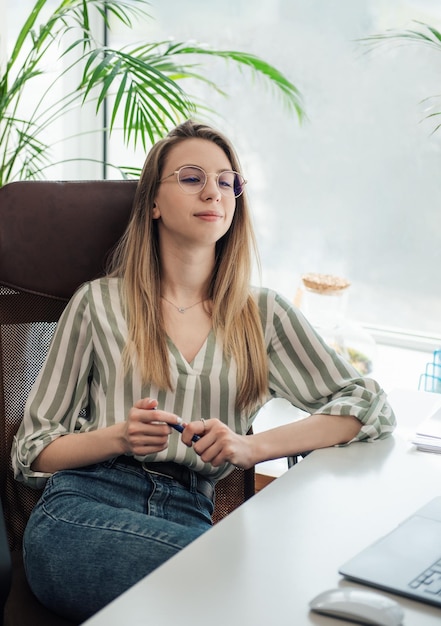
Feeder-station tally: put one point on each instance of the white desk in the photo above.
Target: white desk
(263, 563)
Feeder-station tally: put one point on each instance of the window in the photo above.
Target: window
(355, 190)
(75, 138)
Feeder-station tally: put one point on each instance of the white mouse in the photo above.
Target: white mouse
(359, 605)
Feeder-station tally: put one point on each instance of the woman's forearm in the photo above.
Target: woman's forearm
(145, 431)
(81, 449)
(310, 433)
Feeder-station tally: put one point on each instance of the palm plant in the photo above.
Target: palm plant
(141, 83)
(422, 34)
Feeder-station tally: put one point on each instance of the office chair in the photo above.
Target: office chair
(53, 237)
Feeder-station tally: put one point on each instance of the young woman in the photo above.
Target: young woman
(173, 336)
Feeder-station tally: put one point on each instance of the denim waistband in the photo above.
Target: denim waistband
(180, 473)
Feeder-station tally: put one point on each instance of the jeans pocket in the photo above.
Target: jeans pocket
(205, 506)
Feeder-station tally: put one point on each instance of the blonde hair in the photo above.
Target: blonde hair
(234, 311)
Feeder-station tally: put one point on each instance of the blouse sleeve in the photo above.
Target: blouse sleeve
(60, 391)
(311, 375)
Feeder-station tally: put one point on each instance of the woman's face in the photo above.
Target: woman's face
(196, 219)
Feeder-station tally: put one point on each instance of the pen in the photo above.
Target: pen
(181, 428)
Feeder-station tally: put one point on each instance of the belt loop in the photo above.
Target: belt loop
(110, 462)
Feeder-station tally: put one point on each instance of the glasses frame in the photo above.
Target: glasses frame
(206, 174)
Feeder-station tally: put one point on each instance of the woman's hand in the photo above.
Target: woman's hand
(146, 429)
(218, 444)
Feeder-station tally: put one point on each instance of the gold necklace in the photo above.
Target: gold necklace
(182, 309)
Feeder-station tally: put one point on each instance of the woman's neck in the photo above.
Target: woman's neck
(185, 278)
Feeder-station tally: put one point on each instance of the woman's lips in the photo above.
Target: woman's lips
(209, 216)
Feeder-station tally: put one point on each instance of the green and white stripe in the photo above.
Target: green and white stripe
(90, 338)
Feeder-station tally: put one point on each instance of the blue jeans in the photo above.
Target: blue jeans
(98, 530)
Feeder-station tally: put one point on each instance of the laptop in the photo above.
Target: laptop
(407, 561)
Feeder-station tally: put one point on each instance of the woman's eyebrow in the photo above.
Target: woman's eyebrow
(219, 171)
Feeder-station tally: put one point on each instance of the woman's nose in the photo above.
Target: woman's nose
(211, 189)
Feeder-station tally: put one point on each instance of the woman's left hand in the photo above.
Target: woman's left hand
(218, 444)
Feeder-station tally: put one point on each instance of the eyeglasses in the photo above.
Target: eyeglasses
(192, 179)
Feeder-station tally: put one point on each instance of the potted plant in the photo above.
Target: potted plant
(142, 81)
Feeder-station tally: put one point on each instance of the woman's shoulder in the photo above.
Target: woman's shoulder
(274, 309)
(94, 290)
(270, 300)
(104, 283)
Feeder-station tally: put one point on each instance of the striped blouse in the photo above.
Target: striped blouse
(83, 384)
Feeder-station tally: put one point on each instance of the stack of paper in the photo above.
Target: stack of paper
(428, 434)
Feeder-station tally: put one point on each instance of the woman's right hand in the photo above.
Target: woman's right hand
(147, 430)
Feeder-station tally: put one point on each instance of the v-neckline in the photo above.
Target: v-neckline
(193, 363)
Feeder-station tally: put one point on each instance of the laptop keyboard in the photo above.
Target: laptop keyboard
(430, 580)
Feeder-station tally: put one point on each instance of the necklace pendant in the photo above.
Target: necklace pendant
(182, 309)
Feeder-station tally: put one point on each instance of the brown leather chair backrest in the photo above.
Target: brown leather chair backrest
(54, 236)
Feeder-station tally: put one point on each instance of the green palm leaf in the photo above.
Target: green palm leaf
(427, 35)
(423, 35)
(142, 84)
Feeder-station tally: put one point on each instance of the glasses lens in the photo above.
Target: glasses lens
(231, 183)
(191, 179)
(239, 184)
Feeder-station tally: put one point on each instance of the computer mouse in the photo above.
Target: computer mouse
(359, 605)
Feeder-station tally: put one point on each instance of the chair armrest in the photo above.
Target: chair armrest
(5, 565)
(293, 460)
